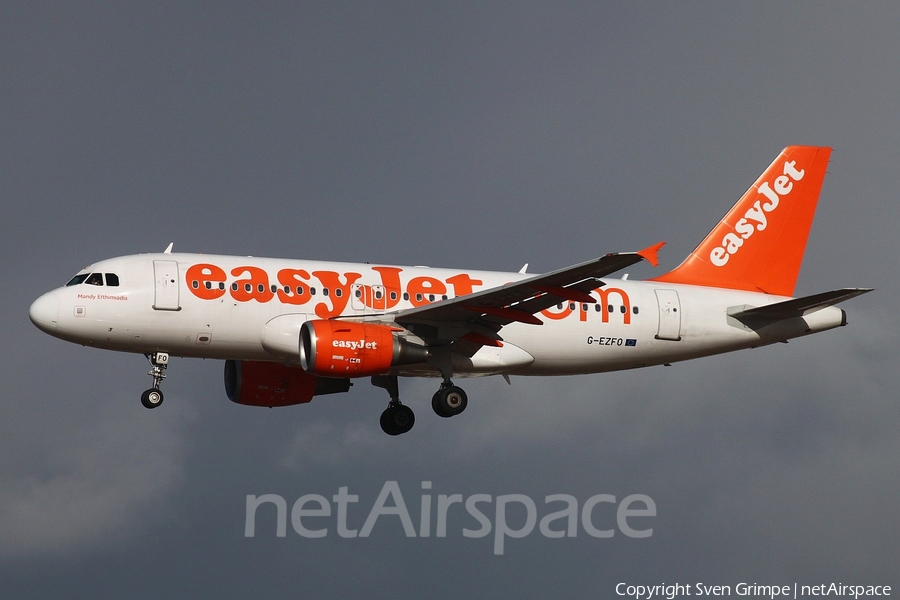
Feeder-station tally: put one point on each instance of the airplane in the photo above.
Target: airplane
(290, 330)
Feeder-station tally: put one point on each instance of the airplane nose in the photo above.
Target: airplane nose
(44, 312)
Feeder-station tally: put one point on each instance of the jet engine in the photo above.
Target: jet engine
(348, 349)
(256, 383)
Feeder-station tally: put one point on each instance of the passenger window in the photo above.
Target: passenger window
(78, 279)
(112, 280)
(634, 309)
(597, 308)
(393, 295)
(324, 291)
(95, 279)
(622, 309)
(338, 292)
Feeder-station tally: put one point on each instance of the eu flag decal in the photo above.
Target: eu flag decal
(631, 342)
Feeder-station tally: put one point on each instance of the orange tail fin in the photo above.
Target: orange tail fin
(759, 244)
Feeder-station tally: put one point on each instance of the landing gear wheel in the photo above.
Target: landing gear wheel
(436, 405)
(449, 401)
(396, 420)
(152, 398)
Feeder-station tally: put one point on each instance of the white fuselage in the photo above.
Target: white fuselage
(247, 308)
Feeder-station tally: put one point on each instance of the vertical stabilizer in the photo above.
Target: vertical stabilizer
(759, 244)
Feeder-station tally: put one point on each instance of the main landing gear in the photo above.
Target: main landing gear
(398, 418)
(449, 401)
(154, 397)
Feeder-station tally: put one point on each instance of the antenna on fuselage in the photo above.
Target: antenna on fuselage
(168, 249)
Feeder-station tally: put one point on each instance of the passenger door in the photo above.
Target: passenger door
(165, 273)
(669, 315)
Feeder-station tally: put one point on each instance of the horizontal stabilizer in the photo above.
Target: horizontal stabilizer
(798, 307)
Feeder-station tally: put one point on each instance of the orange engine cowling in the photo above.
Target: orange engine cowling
(273, 384)
(347, 349)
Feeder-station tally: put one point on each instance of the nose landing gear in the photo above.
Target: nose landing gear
(154, 397)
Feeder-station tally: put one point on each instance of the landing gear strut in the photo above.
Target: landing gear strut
(397, 418)
(154, 397)
(449, 401)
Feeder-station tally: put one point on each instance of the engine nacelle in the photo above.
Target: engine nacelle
(348, 349)
(273, 384)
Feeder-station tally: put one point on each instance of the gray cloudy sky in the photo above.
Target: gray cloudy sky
(463, 136)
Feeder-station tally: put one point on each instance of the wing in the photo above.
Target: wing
(475, 320)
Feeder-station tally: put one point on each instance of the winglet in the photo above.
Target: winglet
(651, 253)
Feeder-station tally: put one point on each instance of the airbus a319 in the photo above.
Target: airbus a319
(289, 330)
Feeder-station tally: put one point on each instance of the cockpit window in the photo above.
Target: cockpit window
(95, 279)
(112, 279)
(78, 279)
